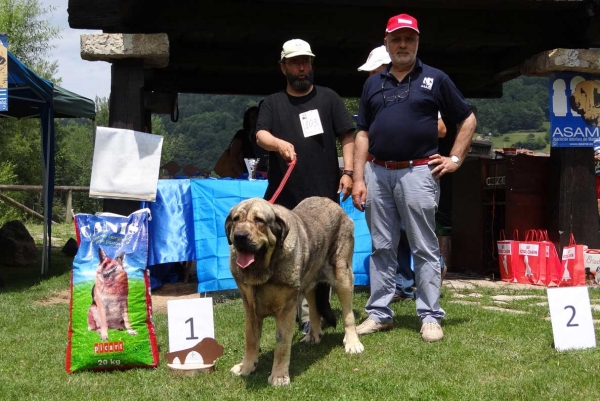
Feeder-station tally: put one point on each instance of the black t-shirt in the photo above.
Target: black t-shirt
(317, 169)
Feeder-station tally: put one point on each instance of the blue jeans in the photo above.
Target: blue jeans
(405, 278)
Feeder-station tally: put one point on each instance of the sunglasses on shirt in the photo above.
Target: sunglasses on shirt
(399, 98)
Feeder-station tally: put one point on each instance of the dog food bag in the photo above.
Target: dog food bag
(110, 325)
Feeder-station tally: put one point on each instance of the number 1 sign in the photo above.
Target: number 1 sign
(190, 320)
(571, 316)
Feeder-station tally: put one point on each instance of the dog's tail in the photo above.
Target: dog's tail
(322, 291)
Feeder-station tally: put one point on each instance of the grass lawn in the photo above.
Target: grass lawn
(486, 355)
(518, 136)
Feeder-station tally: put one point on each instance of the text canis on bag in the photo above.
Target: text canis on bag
(277, 254)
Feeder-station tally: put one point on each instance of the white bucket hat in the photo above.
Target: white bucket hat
(294, 48)
(377, 57)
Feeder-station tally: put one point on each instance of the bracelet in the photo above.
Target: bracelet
(349, 173)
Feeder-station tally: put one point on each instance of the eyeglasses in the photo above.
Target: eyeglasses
(399, 98)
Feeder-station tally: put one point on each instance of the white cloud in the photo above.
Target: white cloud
(86, 78)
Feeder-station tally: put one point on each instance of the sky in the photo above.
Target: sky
(86, 78)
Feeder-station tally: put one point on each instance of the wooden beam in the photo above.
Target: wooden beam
(22, 207)
(36, 188)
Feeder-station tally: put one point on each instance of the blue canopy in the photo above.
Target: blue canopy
(29, 96)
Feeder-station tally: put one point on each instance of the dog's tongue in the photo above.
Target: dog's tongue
(244, 259)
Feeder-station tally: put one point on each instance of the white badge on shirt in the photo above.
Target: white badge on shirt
(311, 123)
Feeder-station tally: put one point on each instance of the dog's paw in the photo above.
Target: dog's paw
(243, 369)
(277, 381)
(132, 332)
(354, 346)
(310, 338)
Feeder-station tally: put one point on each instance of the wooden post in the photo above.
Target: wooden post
(572, 206)
(126, 111)
(129, 53)
(69, 213)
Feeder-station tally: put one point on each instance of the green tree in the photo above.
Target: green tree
(29, 31)
(523, 106)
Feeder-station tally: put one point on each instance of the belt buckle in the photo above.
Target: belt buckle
(386, 165)
(410, 163)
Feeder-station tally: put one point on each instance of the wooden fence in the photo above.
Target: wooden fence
(36, 188)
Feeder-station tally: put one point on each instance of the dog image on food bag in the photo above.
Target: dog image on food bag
(109, 297)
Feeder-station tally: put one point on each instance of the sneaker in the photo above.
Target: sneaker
(431, 332)
(305, 328)
(400, 298)
(371, 326)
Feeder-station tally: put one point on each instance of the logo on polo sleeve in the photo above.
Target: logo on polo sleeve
(427, 83)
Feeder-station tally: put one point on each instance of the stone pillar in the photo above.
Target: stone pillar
(129, 54)
(572, 204)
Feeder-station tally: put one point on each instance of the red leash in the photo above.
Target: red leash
(291, 166)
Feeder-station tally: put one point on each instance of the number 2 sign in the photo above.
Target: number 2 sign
(571, 315)
(190, 320)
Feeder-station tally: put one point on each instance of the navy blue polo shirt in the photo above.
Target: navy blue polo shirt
(404, 125)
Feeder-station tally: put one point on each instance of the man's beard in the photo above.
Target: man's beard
(298, 84)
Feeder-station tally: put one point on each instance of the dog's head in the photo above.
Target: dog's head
(254, 229)
(586, 101)
(108, 268)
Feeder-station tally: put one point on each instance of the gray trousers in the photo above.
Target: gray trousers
(410, 196)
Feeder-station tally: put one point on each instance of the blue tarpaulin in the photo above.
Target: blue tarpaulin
(188, 223)
(213, 199)
(171, 225)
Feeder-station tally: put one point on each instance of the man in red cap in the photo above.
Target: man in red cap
(398, 136)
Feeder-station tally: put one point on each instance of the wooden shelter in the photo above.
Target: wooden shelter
(233, 46)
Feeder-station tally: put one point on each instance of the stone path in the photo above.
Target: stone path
(502, 302)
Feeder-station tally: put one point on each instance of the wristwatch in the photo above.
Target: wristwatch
(455, 159)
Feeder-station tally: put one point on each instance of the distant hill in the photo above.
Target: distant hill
(207, 123)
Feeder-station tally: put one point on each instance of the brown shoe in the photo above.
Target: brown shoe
(431, 332)
(371, 326)
(400, 298)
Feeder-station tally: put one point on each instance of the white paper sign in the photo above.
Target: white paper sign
(189, 320)
(504, 249)
(126, 164)
(311, 123)
(571, 315)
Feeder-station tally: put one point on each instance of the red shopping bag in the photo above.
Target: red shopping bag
(553, 265)
(573, 266)
(532, 260)
(508, 256)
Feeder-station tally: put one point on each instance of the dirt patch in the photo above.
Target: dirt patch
(159, 296)
(59, 298)
(169, 291)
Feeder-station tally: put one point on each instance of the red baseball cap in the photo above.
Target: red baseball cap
(402, 21)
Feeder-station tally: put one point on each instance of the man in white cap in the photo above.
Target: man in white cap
(304, 121)
(397, 123)
(377, 61)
